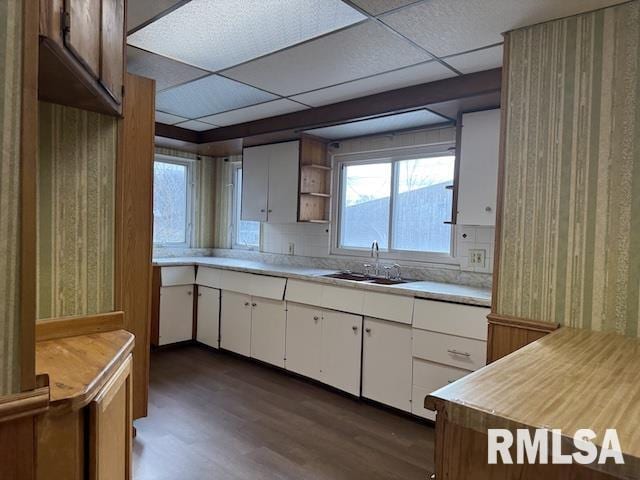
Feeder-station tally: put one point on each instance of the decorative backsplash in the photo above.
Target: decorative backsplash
(569, 240)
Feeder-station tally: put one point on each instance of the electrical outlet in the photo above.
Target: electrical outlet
(292, 248)
(477, 257)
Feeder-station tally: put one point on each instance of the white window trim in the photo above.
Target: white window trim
(392, 155)
(235, 215)
(191, 200)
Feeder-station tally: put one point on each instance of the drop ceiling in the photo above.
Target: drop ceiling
(220, 62)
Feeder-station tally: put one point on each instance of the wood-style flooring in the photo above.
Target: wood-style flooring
(216, 416)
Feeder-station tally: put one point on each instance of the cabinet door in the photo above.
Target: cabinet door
(235, 322)
(477, 189)
(112, 58)
(176, 314)
(304, 337)
(110, 432)
(268, 325)
(386, 368)
(208, 316)
(82, 37)
(284, 164)
(255, 181)
(341, 351)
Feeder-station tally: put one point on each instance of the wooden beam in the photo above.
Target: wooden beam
(177, 133)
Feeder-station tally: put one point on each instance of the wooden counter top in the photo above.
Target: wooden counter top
(569, 379)
(78, 367)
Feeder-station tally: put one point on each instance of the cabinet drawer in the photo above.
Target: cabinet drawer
(209, 277)
(306, 293)
(458, 352)
(256, 285)
(184, 275)
(427, 378)
(463, 320)
(397, 308)
(342, 299)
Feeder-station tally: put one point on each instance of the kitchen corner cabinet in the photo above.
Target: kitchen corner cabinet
(478, 179)
(208, 316)
(387, 363)
(82, 54)
(270, 183)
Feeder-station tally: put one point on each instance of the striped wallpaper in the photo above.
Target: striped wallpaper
(76, 211)
(224, 200)
(10, 98)
(570, 240)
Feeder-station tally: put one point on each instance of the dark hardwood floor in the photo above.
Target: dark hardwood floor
(215, 416)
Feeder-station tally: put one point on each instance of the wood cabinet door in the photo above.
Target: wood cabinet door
(304, 339)
(341, 351)
(208, 316)
(284, 163)
(112, 51)
(110, 432)
(176, 314)
(255, 181)
(82, 35)
(268, 325)
(235, 322)
(386, 363)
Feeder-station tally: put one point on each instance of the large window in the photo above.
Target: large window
(171, 202)
(403, 202)
(246, 234)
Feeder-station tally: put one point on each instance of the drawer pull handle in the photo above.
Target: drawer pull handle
(450, 381)
(456, 352)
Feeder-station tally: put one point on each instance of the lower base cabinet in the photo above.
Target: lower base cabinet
(268, 325)
(208, 316)
(176, 314)
(235, 322)
(304, 340)
(386, 367)
(427, 378)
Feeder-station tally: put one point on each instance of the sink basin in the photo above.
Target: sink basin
(356, 277)
(386, 281)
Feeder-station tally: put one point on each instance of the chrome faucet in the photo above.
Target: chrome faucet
(375, 253)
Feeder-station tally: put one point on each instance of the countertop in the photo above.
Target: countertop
(568, 380)
(421, 289)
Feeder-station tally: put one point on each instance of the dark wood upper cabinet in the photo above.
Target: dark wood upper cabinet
(82, 54)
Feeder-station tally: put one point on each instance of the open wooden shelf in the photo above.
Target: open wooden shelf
(315, 181)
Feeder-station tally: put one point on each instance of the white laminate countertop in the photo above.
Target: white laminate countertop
(447, 292)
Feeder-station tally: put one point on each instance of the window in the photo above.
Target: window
(171, 202)
(246, 234)
(401, 202)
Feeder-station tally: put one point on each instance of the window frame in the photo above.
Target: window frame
(190, 194)
(236, 200)
(392, 156)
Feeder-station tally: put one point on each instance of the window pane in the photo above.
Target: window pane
(365, 212)
(247, 232)
(423, 204)
(169, 203)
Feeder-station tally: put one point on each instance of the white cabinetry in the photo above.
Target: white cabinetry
(270, 182)
(176, 314)
(478, 180)
(268, 324)
(386, 368)
(208, 315)
(304, 340)
(235, 322)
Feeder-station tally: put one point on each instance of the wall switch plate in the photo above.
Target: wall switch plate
(477, 257)
(292, 248)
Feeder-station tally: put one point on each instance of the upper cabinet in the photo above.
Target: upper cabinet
(478, 180)
(82, 54)
(270, 182)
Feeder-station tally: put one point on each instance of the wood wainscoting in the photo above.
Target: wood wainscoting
(52, 328)
(508, 334)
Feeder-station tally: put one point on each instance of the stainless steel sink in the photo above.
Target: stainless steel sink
(356, 277)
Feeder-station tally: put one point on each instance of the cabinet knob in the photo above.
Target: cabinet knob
(487, 209)
(246, 304)
(189, 292)
(254, 304)
(199, 294)
(262, 210)
(316, 318)
(270, 211)
(355, 329)
(368, 330)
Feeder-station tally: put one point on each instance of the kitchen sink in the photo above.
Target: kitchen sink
(387, 281)
(356, 277)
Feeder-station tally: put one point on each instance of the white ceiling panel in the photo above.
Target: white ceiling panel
(209, 95)
(195, 125)
(255, 112)
(167, 73)
(168, 119)
(140, 11)
(477, 61)
(363, 50)
(447, 27)
(217, 34)
(422, 73)
(376, 7)
(373, 126)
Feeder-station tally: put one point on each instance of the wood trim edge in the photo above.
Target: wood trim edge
(62, 327)
(522, 323)
(26, 404)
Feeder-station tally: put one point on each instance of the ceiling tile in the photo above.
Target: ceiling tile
(363, 50)
(168, 119)
(422, 73)
(217, 34)
(373, 126)
(140, 11)
(196, 125)
(209, 95)
(447, 27)
(376, 7)
(477, 61)
(255, 112)
(167, 73)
